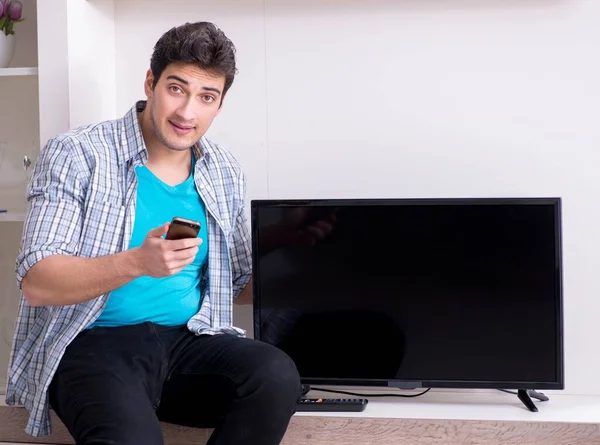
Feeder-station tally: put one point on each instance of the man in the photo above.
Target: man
(118, 327)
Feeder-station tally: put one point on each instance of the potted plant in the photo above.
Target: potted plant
(11, 11)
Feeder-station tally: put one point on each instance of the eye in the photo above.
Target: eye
(208, 99)
(175, 89)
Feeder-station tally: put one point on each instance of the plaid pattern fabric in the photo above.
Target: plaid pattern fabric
(82, 202)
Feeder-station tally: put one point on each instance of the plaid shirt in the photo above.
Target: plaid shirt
(82, 202)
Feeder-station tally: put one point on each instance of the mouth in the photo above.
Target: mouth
(181, 129)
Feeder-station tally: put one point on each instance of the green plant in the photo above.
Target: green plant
(11, 11)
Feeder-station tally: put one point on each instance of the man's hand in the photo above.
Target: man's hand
(62, 279)
(158, 257)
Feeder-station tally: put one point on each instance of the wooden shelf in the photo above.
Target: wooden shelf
(12, 216)
(20, 71)
(440, 427)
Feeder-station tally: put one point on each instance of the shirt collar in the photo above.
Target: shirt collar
(132, 140)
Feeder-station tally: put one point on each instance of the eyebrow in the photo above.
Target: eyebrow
(185, 82)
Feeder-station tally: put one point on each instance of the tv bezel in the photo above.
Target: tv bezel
(555, 202)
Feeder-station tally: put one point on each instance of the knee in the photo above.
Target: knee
(278, 376)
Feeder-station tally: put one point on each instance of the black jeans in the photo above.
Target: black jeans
(114, 385)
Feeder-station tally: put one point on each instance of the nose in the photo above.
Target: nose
(186, 111)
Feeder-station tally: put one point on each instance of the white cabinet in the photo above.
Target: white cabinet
(34, 93)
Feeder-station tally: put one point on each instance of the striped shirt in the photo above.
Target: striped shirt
(82, 203)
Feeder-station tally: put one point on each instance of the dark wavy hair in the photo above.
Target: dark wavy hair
(202, 44)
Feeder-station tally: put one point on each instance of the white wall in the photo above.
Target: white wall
(91, 49)
(411, 98)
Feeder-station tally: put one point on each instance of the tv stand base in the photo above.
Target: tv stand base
(305, 389)
(525, 396)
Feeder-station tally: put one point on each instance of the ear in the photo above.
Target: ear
(148, 83)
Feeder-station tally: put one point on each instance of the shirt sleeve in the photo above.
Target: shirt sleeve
(241, 250)
(55, 207)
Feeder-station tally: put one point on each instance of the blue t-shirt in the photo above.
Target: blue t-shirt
(170, 300)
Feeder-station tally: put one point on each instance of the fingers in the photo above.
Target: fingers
(184, 243)
(176, 261)
(158, 231)
(183, 254)
(175, 268)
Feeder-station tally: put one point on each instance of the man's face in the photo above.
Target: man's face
(183, 104)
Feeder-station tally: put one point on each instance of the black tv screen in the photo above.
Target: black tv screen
(416, 293)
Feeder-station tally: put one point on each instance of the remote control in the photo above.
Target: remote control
(332, 405)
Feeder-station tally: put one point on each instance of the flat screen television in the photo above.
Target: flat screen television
(412, 293)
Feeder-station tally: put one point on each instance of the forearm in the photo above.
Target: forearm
(62, 280)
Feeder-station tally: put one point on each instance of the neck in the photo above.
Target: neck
(171, 166)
